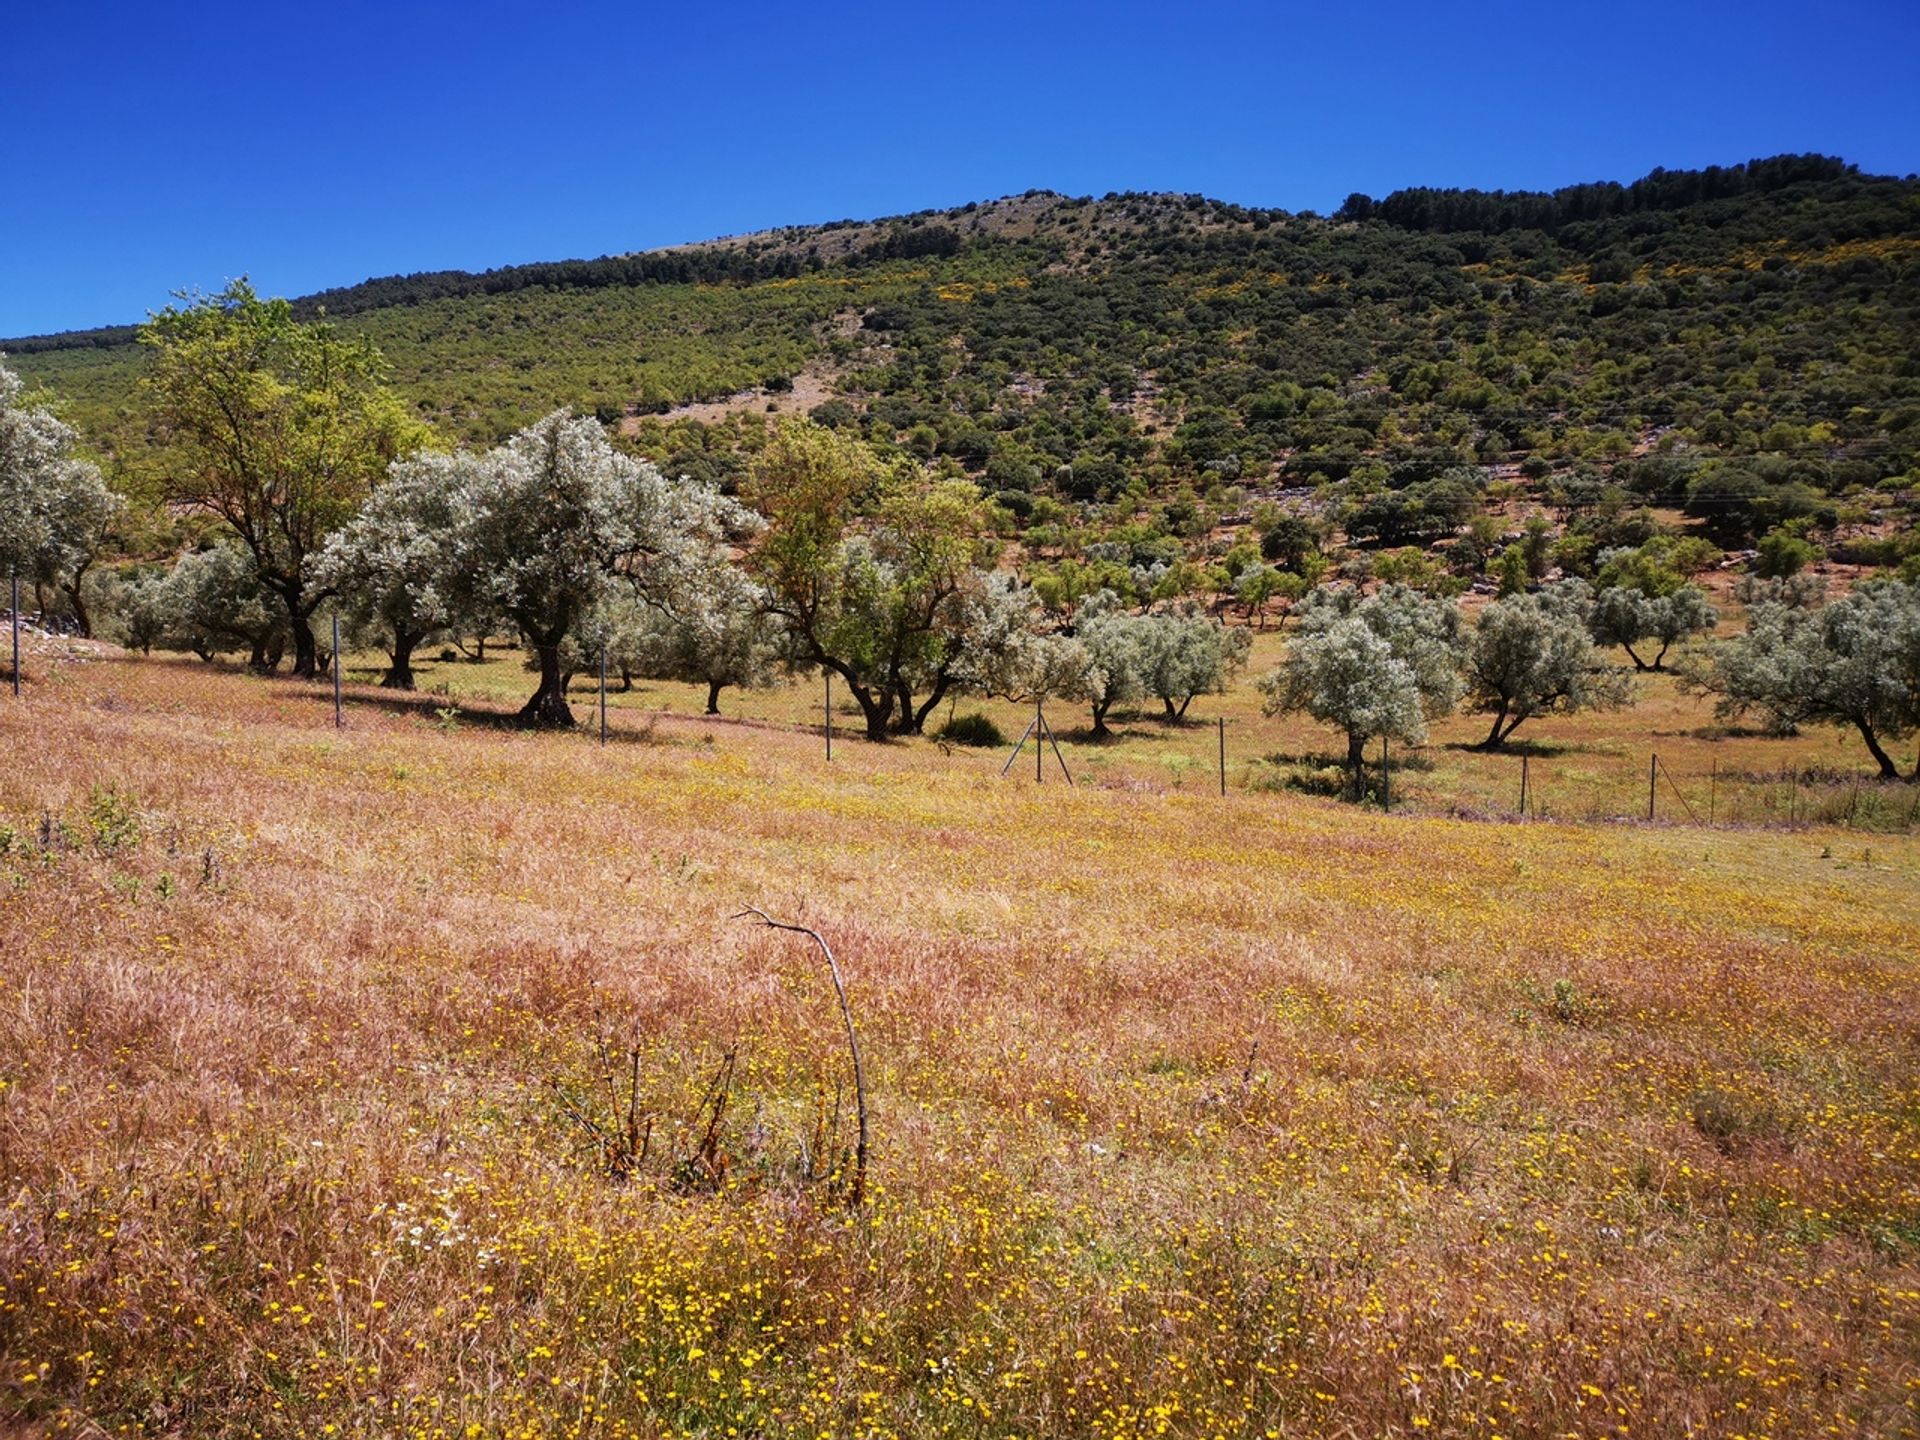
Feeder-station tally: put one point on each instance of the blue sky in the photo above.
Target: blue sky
(152, 147)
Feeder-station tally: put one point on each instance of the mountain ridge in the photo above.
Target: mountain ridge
(1445, 209)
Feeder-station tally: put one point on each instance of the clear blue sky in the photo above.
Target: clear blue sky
(150, 147)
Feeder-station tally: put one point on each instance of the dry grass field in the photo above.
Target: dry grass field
(1264, 1115)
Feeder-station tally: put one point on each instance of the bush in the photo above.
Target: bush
(973, 729)
(1783, 554)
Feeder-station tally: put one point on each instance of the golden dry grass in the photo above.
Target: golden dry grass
(1192, 1116)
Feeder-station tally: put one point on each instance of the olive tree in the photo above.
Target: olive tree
(1631, 618)
(213, 602)
(392, 564)
(1532, 655)
(710, 628)
(1383, 665)
(1186, 652)
(276, 426)
(1117, 648)
(558, 520)
(1010, 649)
(1855, 662)
(55, 510)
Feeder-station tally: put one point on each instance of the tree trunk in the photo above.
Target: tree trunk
(399, 674)
(80, 616)
(1172, 714)
(1888, 770)
(306, 651)
(903, 701)
(1638, 663)
(931, 704)
(875, 705)
(1100, 730)
(1494, 738)
(713, 697)
(1356, 758)
(548, 708)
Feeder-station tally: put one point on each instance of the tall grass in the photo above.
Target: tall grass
(1190, 1116)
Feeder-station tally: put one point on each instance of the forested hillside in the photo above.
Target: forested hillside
(1738, 340)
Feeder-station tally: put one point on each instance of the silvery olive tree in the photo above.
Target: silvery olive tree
(558, 520)
(1385, 664)
(1533, 655)
(55, 510)
(709, 627)
(392, 565)
(1855, 663)
(1187, 652)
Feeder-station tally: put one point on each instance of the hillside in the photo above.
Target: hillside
(1064, 351)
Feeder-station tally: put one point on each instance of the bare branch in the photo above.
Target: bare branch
(859, 1190)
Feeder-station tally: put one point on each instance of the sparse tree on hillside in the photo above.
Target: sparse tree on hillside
(1531, 655)
(1853, 663)
(278, 427)
(1383, 665)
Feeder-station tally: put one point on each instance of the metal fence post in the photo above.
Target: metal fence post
(1653, 778)
(1223, 754)
(603, 694)
(337, 720)
(15, 613)
(829, 711)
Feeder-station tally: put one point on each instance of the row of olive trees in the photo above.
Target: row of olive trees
(1388, 663)
(286, 433)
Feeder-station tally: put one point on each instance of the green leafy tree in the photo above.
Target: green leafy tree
(278, 427)
(1784, 554)
(873, 572)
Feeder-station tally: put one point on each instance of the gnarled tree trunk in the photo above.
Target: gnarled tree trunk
(399, 674)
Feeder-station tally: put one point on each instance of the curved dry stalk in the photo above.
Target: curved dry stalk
(858, 1193)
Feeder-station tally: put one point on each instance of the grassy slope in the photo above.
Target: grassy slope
(277, 1150)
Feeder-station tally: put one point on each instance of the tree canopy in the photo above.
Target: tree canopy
(277, 426)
